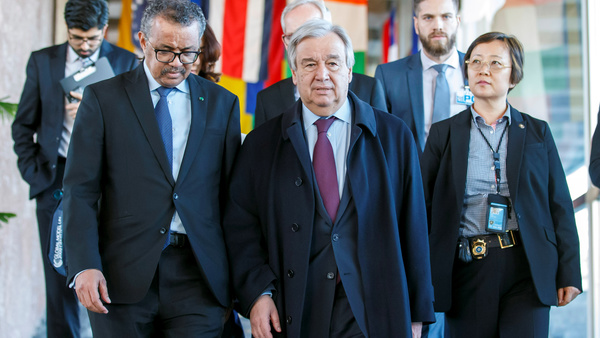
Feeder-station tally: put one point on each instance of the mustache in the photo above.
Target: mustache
(172, 70)
(432, 35)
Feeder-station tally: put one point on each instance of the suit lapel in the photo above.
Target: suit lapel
(138, 91)
(460, 133)
(415, 90)
(200, 103)
(514, 150)
(57, 64)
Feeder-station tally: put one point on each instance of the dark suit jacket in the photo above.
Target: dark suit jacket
(42, 108)
(402, 82)
(595, 156)
(269, 220)
(117, 155)
(538, 191)
(275, 99)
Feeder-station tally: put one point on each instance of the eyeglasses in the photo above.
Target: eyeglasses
(78, 40)
(167, 56)
(286, 38)
(494, 65)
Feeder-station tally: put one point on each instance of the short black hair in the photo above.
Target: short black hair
(515, 50)
(86, 14)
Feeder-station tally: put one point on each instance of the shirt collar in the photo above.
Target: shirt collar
(344, 114)
(73, 57)
(153, 84)
(506, 114)
(452, 61)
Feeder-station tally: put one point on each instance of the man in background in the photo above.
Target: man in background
(42, 131)
(271, 100)
(428, 86)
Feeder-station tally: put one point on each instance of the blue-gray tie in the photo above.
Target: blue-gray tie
(441, 98)
(165, 124)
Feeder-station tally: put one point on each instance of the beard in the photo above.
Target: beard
(438, 48)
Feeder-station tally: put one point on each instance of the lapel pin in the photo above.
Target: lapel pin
(201, 98)
(521, 125)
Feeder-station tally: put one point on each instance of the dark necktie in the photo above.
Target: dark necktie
(441, 98)
(325, 172)
(165, 125)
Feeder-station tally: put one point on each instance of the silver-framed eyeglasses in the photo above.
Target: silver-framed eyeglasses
(167, 56)
(494, 65)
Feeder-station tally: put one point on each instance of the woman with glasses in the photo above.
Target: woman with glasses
(504, 245)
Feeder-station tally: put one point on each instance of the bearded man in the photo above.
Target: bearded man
(428, 86)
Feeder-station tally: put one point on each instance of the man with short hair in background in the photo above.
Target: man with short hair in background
(428, 86)
(42, 132)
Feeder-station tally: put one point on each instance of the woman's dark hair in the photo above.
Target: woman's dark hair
(515, 49)
(211, 52)
(86, 14)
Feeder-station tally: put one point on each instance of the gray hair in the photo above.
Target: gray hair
(183, 12)
(317, 3)
(318, 28)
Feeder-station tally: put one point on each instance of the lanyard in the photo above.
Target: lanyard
(495, 154)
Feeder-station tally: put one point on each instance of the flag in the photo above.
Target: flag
(352, 15)
(389, 38)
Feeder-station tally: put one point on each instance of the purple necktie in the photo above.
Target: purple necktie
(324, 165)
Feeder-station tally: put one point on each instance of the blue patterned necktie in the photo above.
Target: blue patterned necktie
(441, 98)
(325, 171)
(165, 124)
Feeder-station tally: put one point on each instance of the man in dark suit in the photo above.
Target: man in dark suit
(155, 146)
(410, 83)
(273, 100)
(325, 225)
(595, 157)
(42, 131)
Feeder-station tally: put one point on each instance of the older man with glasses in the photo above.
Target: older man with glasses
(42, 132)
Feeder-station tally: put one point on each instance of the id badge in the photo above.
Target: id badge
(497, 214)
(464, 96)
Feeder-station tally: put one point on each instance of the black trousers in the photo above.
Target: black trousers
(343, 324)
(62, 309)
(495, 297)
(178, 304)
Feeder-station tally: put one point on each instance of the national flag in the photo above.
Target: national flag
(389, 38)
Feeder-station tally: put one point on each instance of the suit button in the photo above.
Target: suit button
(298, 181)
(291, 273)
(335, 237)
(295, 227)
(175, 196)
(163, 231)
(54, 166)
(330, 275)
(289, 320)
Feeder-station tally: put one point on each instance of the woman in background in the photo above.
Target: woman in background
(502, 234)
(209, 55)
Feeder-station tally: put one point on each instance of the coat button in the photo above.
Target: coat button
(335, 237)
(54, 166)
(175, 196)
(291, 273)
(298, 181)
(330, 275)
(295, 227)
(163, 231)
(289, 320)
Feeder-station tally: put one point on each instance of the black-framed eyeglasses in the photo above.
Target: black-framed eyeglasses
(167, 56)
(78, 40)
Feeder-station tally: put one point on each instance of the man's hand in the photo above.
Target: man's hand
(567, 294)
(417, 327)
(90, 285)
(262, 314)
(72, 107)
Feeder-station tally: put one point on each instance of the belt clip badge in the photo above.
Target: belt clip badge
(464, 96)
(479, 248)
